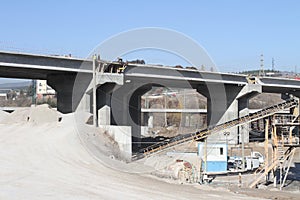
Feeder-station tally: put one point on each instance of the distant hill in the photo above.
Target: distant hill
(272, 73)
(256, 72)
(16, 85)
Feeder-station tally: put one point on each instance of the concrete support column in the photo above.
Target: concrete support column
(63, 85)
(226, 103)
(243, 131)
(248, 92)
(222, 106)
(68, 96)
(104, 116)
(104, 93)
(135, 115)
(126, 109)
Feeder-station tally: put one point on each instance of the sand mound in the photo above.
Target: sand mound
(3, 115)
(39, 114)
(50, 162)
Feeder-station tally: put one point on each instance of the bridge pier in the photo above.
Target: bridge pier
(63, 85)
(248, 92)
(226, 103)
(69, 98)
(125, 105)
(104, 93)
(126, 109)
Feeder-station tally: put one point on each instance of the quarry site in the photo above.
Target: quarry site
(158, 100)
(45, 154)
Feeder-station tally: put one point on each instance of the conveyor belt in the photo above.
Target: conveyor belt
(161, 146)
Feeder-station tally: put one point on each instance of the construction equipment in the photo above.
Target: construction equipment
(284, 145)
(281, 162)
(196, 136)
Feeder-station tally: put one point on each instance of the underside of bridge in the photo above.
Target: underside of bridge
(224, 101)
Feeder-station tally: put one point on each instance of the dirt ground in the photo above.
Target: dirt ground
(45, 159)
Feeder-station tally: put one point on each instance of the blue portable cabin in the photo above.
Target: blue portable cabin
(216, 157)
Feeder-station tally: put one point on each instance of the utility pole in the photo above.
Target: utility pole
(262, 71)
(267, 148)
(94, 92)
(165, 107)
(226, 138)
(33, 92)
(205, 155)
(273, 64)
(243, 148)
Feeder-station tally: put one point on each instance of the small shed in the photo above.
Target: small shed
(216, 160)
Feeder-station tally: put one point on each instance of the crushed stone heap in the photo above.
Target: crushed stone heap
(39, 114)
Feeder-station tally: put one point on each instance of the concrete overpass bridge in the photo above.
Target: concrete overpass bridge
(227, 94)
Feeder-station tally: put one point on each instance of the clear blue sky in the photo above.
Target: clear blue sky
(234, 32)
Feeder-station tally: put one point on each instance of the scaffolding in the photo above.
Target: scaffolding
(284, 141)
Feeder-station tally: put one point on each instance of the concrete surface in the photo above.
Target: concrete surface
(122, 135)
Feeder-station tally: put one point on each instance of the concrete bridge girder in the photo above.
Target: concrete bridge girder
(61, 73)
